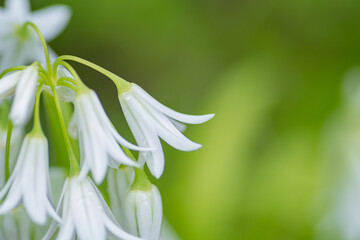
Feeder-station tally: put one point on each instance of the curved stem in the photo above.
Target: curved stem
(65, 82)
(74, 166)
(43, 43)
(120, 83)
(7, 151)
(11, 69)
(37, 125)
(77, 81)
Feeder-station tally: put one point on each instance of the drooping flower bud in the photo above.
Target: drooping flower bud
(143, 208)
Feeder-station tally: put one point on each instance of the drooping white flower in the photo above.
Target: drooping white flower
(18, 45)
(143, 210)
(29, 182)
(99, 140)
(149, 120)
(119, 182)
(85, 213)
(22, 84)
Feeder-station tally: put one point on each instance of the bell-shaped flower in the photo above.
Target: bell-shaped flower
(148, 120)
(20, 45)
(85, 214)
(29, 181)
(143, 210)
(22, 84)
(99, 140)
(119, 182)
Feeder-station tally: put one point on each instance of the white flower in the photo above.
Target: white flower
(119, 182)
(149, 120)
(29, 182)
(18, 45)
(99, 141)
(85, 213)
(144, 212)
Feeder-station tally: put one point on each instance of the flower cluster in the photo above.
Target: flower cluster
(82, 212)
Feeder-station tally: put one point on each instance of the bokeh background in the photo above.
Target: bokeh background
(272, 71)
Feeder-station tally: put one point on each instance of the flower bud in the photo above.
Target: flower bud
(143, 209)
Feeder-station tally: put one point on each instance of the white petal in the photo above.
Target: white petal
(51, 230)
(19, 164)
(72, 127)
(50, 210)
(118, 232)
(144, 214)
(12, 199)
(157, 213)
(185, 118)
(93, 139)
(86, 212)
(114, 194)
(51, 20)
(65, 94)
(63, 72)
(8, 84)
(101, 200)
(166, 130)
(12, 56)
(67, 230)
(130, 212)
(23, 104)
(18, 8)
(108, 126)
(180, 126)
(144, 134)
(29, 181)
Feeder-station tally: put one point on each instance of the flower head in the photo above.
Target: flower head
(29, 182)
(18, 44)
(85, 213)
(149, 120)
(99, 141)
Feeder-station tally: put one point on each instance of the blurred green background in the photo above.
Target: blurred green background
(272, 73)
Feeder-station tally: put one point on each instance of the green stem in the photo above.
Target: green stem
(37, 125)
(63, 82)
(74, 166)
(120, 83)
(43, 43)
(11, 69)
(7, 151)
(77, 81)
(141, 180)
